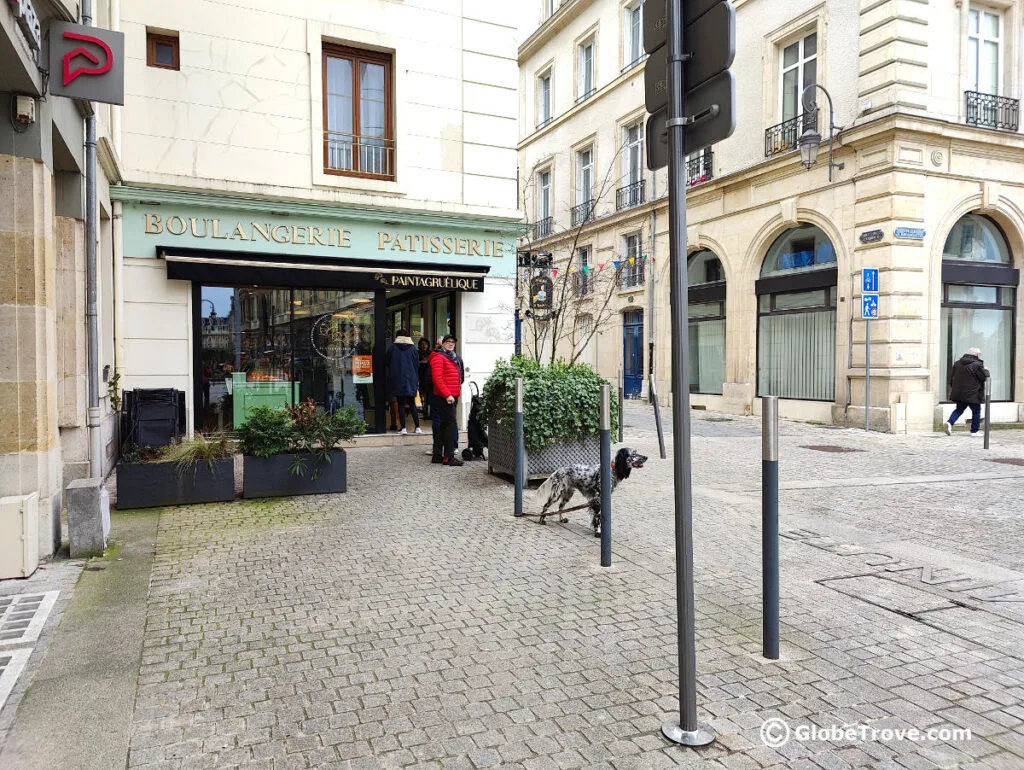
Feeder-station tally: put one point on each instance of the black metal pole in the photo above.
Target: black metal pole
(520, 471)
(621, 401)
(606, 475)
(770, 526)
(657, 420)
(988, 404)
(688, 732)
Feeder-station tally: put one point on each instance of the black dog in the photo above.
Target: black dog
(586, 479)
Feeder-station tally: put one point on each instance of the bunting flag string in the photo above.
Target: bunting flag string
(586, 269)
(600, 267)
(616, 263)
(554, 272)
(632, 260)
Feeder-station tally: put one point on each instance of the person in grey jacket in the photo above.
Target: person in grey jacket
(967, 389)
(404, 371)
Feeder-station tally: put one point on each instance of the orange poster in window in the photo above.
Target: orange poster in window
(362, 369)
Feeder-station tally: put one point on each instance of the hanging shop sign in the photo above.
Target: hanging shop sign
(541, 289)
(86, 63)
(28, 21)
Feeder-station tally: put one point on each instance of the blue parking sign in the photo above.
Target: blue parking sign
(869, 276)
(869, 306)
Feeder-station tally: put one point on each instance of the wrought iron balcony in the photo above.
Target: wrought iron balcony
(784, 137)
(359, 155)
(583, 213)
(700, 168)
(629, 196)
(543, 228)
(632, 276)
(584, 283)
(991, 111)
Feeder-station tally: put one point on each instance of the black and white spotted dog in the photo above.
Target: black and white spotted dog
(586, 479)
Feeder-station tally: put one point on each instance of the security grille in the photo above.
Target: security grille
(22, 616)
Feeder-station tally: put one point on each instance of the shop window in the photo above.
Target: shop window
(796, 348)
(359, 138)
(163, 51)
(277, 347)
(978, 302)
(706, 325)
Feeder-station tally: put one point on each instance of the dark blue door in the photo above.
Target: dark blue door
(633, 353)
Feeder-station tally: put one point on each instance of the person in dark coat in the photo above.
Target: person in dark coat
(967, 389)
(404, 375)
(446, 373)
(426, 385)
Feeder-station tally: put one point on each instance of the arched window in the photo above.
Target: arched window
(706, 322)
(978, 301)
(796, 341)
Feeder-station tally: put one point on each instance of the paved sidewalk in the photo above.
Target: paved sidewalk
(412, 622)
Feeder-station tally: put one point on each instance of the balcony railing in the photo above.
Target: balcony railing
(629, 196)
(632, 276)
(784, 137)
(359, 155)
(700, 168)
(584, 284)
(991, 111)
(583, 213)
(585, 95)
(542, 228)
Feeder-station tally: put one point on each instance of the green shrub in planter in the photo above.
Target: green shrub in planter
(561, 405)
(195, 470)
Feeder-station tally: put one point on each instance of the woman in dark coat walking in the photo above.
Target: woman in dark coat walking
(404, 374)
(426, 382)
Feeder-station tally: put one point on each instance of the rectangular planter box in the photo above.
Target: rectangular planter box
(539, 465)
(270, 477)
(152, 485)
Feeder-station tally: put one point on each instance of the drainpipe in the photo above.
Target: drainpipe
(95, 434)
(118, 248)
(652, 368)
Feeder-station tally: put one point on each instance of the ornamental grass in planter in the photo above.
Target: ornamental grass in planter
(561, 415)
(196, 470)
(293, 451)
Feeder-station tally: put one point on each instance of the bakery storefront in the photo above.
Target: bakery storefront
(281, 307)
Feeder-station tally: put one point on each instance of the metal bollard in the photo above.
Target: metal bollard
(520, 470)
(621, 415)
(770, 526)
(606, 475)
(657, 419)
(988, 404)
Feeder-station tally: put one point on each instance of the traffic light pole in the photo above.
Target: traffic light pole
(687, 732)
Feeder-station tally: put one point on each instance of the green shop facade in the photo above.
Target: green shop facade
(243, 302)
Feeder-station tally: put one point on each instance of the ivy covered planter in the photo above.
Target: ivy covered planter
(561, 416)
(274, 477)
(154, 485)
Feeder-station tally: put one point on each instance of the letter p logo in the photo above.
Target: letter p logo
(71, 72)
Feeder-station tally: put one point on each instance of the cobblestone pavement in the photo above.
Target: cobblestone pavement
(412, 622)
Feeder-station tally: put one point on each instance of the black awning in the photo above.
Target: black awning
(220, 267)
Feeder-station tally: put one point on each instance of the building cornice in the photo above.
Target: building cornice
(550, 27)
(507, 226)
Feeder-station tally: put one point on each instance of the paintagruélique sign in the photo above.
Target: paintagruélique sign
(429, 281)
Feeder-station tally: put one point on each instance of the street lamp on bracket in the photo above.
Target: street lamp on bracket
(810, 139)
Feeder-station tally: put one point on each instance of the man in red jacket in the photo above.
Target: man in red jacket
(446, 372)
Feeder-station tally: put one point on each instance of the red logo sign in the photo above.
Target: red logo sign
(100, 69)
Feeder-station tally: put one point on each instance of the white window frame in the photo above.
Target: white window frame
(582, 70)
(584, 192)
(544, 189)
(801, 60)
(632, 150)
(584, 257)
(544, 108)
(636, 269)
(629, 13)
(980, 39)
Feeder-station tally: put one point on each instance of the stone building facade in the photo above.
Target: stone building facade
(926, 98)
(44, 420)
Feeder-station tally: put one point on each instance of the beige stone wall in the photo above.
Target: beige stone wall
(29, 450)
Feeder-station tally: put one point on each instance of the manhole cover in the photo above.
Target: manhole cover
(22, 616)
(1008, 460)
(11, 665)
(830, 448)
